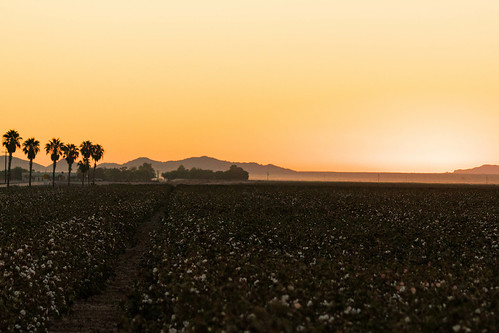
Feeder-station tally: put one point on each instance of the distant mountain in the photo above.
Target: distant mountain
(61, 166)
(256, 171)
(486, 169)
(273, 172)
(17, 162)
(156, 165)
(110, 165)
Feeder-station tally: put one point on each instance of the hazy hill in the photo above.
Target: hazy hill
(256, 170)
(484, 174)
(110, 165)
(61, 165)
(156, 165)
(486, 169)
(17, 162)
(204, 162)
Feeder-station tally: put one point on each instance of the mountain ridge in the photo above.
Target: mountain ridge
(256, 170)
(205, 162)
(486, 169)
(61, 166)
(18, 162)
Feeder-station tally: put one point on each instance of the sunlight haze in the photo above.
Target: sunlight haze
(307, 85)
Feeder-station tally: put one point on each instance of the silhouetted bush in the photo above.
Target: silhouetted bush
(145, 172)
(234, 173)
(15, 174)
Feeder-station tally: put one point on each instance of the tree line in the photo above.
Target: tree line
(15, 173)
(234, 173)
(57, 149)
(144, 172)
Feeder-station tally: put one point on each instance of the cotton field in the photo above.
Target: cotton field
(322, 258)
(256, 258)
(57, 245)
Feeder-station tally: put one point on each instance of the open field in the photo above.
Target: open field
(58, 245)
(314, 258)
(265, 257)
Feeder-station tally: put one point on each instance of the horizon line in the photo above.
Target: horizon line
(274, 165)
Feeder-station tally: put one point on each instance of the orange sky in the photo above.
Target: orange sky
(383, 85)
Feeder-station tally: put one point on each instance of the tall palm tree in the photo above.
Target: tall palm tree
(54, 148)
(31, 147)
(97, 153)
(83, 167)
(86, 152)
(71, 153)
(11, 141)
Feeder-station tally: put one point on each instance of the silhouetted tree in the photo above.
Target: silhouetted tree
(83, 167)
(86, 152)
(97, 152)
(17, 173)
(182, 172)
(237, 173)
(54, 148)
(11, 141)
(234, 173)
(31, 147)
(71, 153)
(146, 172)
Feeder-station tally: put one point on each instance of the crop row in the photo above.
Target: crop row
(316, 258)
(57, 245)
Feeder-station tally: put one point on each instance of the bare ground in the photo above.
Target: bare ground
(102, 312)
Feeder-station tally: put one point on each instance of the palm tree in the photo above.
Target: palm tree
(71, 153)
(54, 148)
(86, 152)
(83, 166)
(11, 141)
(31, 147)
(97, 153)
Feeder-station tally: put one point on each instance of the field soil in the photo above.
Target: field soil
(102, 312)
(322, 258)
(258, 257)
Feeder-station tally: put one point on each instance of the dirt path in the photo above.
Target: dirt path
(101, 312)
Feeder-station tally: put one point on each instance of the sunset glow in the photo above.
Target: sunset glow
(309, 85)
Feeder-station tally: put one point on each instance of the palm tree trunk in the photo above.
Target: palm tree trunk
(53, 175)
(82, 179)
(30, 170)
(69, 175)
(93, 178)
(8, 175)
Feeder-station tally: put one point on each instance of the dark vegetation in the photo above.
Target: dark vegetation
(234, 173)
(323, 258)
(15, 174)
(58, 244)
(265, 258)
(145, 172)
(11, 140)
